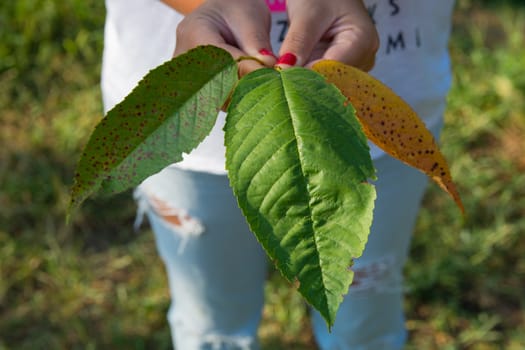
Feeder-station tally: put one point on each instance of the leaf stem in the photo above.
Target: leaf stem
(244, 58)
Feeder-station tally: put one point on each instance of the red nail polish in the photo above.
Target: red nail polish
(288, 58)
(266, 52)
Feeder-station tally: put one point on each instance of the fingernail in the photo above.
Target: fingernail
(288, 59)
(266, 52)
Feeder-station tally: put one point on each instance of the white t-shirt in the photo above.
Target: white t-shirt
(412, 59)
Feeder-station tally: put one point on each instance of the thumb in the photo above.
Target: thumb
(305, 31)
(251, 31)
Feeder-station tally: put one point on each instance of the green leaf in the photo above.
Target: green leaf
(169, 113)
(299, 162)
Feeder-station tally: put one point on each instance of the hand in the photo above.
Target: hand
(240, 27)
(340, 30)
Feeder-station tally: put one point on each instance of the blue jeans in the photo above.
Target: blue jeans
(216, 269)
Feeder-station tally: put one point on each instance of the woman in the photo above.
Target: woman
(215, 267)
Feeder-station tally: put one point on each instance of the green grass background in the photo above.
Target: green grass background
(98, 285)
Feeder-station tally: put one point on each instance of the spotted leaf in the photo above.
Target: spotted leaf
(390, 122)
(172, 109)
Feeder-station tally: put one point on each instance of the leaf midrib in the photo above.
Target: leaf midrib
(289, 103)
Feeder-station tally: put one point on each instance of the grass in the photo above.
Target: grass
(97, 284)
(465, 282)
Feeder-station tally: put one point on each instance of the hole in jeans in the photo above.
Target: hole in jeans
(178, 219)
(380, 275)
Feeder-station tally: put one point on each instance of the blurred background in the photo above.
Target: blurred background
(97, 284)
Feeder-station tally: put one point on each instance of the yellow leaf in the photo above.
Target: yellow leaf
(390, 122)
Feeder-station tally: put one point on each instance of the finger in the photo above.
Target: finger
(197, 29)
(307, 26)
(356, 46)
(209, 28)
(203, 34)
(250, 27)
(247, 66)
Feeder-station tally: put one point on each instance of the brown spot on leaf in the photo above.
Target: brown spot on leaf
(413, 137)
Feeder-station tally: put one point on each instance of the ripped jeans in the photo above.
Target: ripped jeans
(216, 269)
